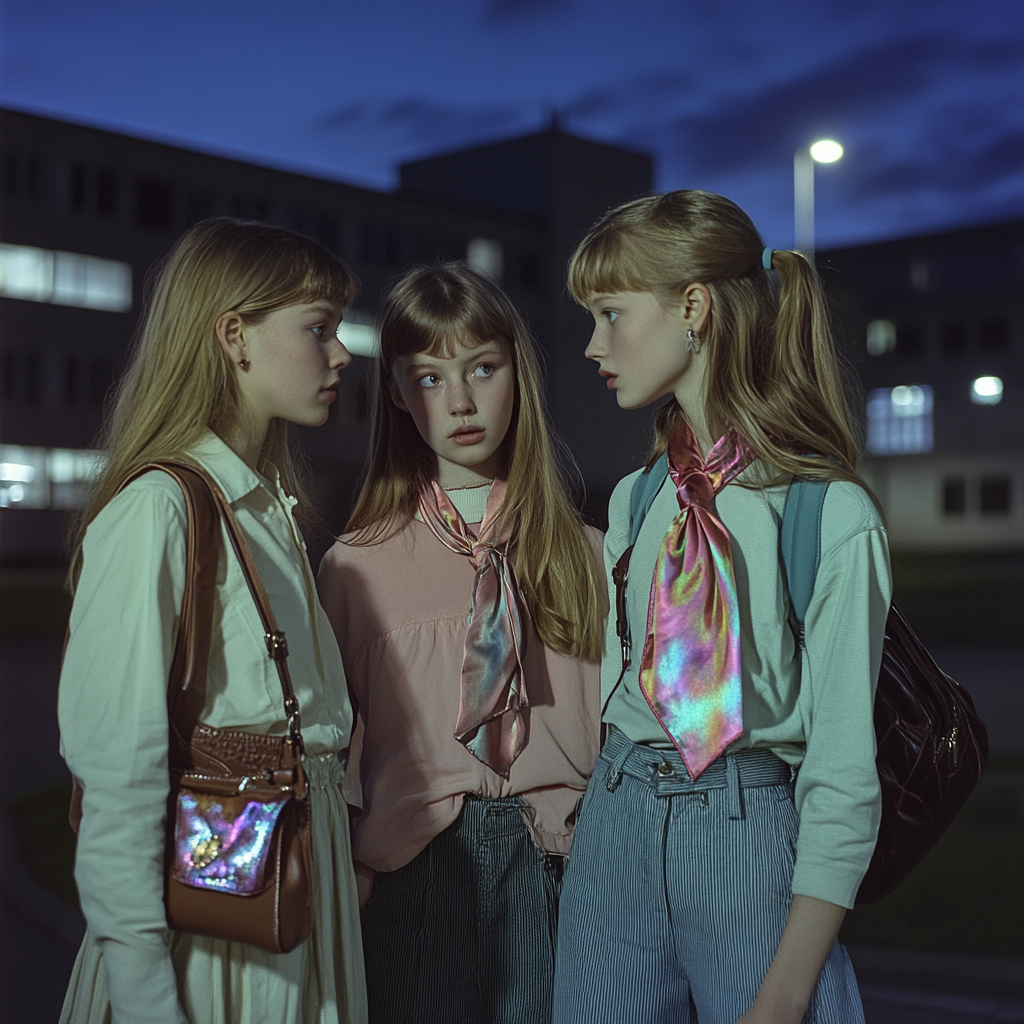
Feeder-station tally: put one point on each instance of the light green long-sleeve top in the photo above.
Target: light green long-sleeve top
(113, 723)
(812, 708)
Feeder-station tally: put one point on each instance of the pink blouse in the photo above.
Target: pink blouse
(399, 610)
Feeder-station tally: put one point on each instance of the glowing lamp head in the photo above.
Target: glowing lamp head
(826, 151)
(987, 391)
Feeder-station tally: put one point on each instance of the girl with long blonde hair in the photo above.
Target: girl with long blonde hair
(239, 338)
(734, 807)
(466, 600)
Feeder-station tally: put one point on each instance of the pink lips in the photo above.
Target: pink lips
(612, 378)
(468, 435)
(331, 391)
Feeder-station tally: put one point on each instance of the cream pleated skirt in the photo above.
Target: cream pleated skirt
(220, 982)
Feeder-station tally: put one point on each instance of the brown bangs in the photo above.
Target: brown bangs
(602, 263)
(435, 311)
(298, 270)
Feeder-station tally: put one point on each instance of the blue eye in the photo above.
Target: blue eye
(612, 315)
(483, 370)
(430, 380)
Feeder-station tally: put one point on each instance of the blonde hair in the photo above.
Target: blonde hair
(434, 310)
(179, 382)
(774, 371)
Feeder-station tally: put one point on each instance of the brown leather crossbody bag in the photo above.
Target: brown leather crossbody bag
(238, 842)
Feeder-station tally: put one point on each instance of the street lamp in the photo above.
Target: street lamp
(824, 151)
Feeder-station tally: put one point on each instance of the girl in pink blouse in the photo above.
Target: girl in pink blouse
(467, 603)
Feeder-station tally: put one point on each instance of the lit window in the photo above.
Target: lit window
(987, 391)
(65, 278)
(900, 420)
(47, 477)
(881, 337)
(358, 334)
(486, 256)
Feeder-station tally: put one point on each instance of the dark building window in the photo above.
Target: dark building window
(994, 334)
(954, 337)
(154, 204)
(100, 379)
(392, 246)
(36, 179)
(327, 231)
(33, 378)
(70, 380)
(529, 270)
(368, 242)
(995, 495)
(954, 496)
(910, 339)
(9, 174)
(106, 192)
(200, 203)
(9, 366)
(79, 180)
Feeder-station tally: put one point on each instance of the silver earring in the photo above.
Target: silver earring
(692, 341)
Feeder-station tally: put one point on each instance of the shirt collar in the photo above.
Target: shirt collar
(232, 475)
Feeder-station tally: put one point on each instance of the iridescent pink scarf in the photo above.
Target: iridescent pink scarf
(490, 724)
(690, 671)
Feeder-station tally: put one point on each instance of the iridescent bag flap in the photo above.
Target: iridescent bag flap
(224, 842)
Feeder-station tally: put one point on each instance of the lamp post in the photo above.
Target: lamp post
(825, 151)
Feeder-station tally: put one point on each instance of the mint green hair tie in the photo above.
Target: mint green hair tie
(766, 258)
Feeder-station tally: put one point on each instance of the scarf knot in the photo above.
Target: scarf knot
(491, 723)
(690, 672)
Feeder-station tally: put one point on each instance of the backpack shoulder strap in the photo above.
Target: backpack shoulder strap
(641, 497)
(800, 541)
(645, 490)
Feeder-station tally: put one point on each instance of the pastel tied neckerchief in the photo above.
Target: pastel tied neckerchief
(690, 670)
(493, 693)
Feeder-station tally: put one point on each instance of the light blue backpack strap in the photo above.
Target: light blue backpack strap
(800, 542)
(641, 497)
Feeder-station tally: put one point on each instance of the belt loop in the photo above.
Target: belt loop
(732, 787)
(614, 776)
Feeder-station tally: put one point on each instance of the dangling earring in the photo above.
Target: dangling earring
(244, 364)
(692, 341)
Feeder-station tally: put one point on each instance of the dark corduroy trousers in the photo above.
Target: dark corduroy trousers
(465, 932)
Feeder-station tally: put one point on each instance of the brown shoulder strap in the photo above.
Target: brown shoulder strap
(206, 505)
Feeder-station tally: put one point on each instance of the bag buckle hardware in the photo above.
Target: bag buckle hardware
(277, 645)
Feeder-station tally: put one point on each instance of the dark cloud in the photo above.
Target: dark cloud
(635, 94)
(743, 131)
(418, 121)
(506, 10)
(947, 167)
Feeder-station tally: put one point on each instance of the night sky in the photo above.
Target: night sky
(927, 96)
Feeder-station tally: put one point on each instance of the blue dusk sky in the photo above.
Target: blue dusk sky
(927, 96)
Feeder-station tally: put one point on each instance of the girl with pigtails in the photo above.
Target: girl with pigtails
(467, 602)
(734, 807)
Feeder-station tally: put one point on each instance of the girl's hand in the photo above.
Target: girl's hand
(793, 975)
(364, 882)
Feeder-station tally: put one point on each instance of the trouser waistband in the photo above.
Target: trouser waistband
(665, 771)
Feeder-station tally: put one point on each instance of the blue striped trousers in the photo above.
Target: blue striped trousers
(676, 893)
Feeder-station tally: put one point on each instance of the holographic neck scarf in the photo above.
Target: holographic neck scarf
(690, 671)
(493, 696)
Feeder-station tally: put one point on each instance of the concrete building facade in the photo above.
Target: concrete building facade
(86, 214)
(935, 328)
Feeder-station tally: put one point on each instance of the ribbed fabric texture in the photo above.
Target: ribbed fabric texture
(677, 893)
(465, 932)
